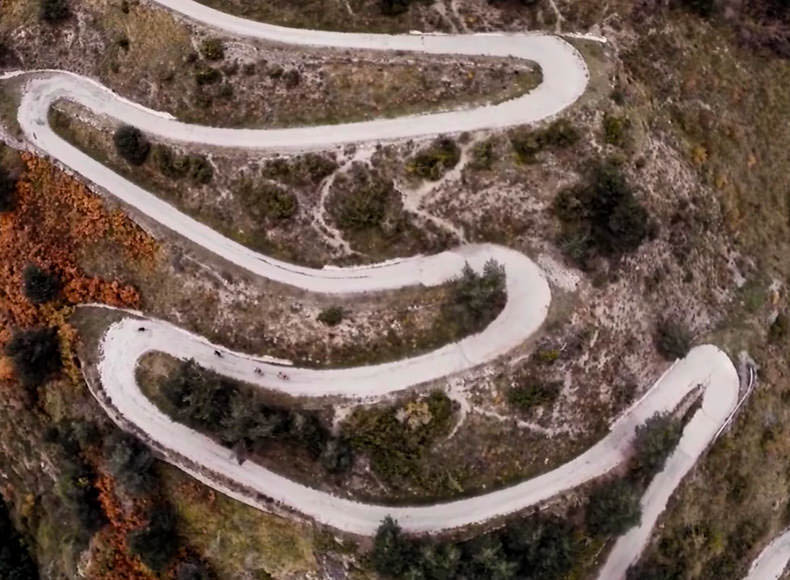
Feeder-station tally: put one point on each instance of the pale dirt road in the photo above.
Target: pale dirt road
(564, 80)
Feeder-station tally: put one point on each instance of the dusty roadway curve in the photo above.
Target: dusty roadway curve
(564, 80)
(124, 344)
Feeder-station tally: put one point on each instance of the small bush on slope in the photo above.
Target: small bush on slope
(131, 144)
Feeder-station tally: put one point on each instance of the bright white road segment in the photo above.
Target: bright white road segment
(720, 400)
(564, 80)
(772, 561)
(124, 343)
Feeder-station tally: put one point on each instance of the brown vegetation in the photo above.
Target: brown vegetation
(54, 219)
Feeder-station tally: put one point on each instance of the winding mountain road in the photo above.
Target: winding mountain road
(124, 344)
(565, 77)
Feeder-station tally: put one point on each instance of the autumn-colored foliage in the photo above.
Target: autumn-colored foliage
(55, 219)
(114, 559)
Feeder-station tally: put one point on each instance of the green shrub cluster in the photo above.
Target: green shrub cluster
(39, 285)
(615, 130)
(173, 166)
(655, 440)
(672, 339)
(194, 569)
(131, 144)
(701, 7)
(267, 200)
(366, 203)
(436, 159)
(527, 143)
(538, 547)
(307, 169)
(601, 216)
(475, 299)
(130, 462)
(613, 508)
(677, 555)
(234, 414)
(779, 327)
(206, 75)
(397, 437)
(534, 548)
(79, 510)
(533, 393)
(483, 155)
(212, 49)
(331, 316)
(394, 7)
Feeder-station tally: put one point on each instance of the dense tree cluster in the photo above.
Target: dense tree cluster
(131, 144)
(40, 285)
(130, 462)
(613, 508)
(80, 508)
(35, 354)
(535, 548)
(367, 202)
(397, 437)
(173, 166)
(15, 560)
(601, 216)
(655, 439)
(236, 416)
(538, 547)
(476, 299)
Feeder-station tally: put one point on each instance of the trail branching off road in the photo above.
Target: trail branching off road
(565, 77)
